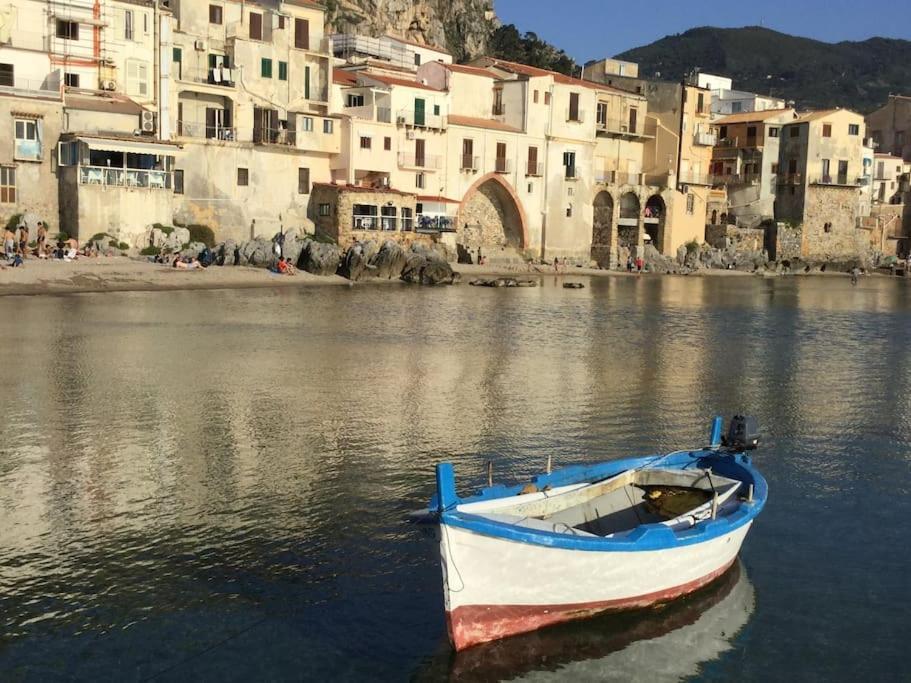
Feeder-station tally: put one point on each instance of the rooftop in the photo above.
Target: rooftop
(456, 120)
(750, 116)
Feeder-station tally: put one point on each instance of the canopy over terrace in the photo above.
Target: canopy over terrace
(120, 161)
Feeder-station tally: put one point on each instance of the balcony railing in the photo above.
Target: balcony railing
(434, 224)
(191, 129)
(502, 165)
(534, 168)
(737, 179)
(124, 177)
(427, 161)
(575, 116)
(425, 119)
(790, 179)
(222, 76)
(469, 163)
(25, 87)
(275, 136)
(370, 113)
(706, 139)
(619, 127)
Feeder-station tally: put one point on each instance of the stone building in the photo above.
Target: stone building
(890, 127)
(349, 213)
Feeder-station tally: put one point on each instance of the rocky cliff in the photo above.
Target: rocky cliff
(463, 27)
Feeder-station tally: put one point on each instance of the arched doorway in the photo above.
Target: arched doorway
(655, 216)
(715, 217)
(602, 229)
(628, 230)
(490, 216)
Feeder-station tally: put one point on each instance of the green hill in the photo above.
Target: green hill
(814, 74)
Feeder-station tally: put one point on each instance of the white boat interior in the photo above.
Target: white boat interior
(673, 497)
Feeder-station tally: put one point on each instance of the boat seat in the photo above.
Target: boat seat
(538, 524)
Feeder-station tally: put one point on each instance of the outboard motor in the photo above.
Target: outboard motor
(743, 433)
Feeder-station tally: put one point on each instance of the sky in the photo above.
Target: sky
(590, 29)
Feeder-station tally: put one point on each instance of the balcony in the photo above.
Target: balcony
(420, 119)
(575, 116)
(430, 224)
(621, 128)
(275, 136)
(534, 169)
(469, 163)
(426, 162)
(219, 76)
(191, 129)
(502, 165)
(705, 139)
(737, 179)
(694, 178)
(125, 177)
(25, 87)
(790, 179)
(842, 180)
(370, 113)
(499, 109)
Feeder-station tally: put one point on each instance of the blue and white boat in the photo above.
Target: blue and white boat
(586, 539)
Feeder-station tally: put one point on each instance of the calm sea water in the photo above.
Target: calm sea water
(213, 485)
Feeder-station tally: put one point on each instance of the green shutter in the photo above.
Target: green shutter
(177, 55)
(307, 83)
(283, 71)
(266, 68)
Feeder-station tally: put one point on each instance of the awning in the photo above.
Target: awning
(136, 147)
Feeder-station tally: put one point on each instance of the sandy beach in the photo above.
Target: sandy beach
(123, 274)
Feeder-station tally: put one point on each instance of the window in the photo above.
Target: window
(536, 96)
(366, 143)
(215, 14)
(387, 144)
(792, 166)
(602, 114)
(407, 219)
(795, 131)
(281, 21)
(137, 78)
(531, 188)
(67, 30)
(468, 154)
(328, 126)
(569, 211)
(307, 82)
(145, 23)
(827, 130)
(436, 110)
(736, 107)
(178, 181)
(128, 24)
(177, 59)
(419, 181)
(28, 140)
(853, 129)
(546, 97)
(71, 80)
(700, 103)
(283, 71)
(533, 161)
(723, 132)
(355, 100)
(419, 208)
(773, 132)
(574, 114)
(569, 162)
(498, 102)
(690, 204)
(243, 177)
(303, 181)
(775, 167)
(7, 75)
(302, 34)
(417, 59)
(307, 123)
(7, 185)
(751, 132)
(827, 227)
(325, 210)
(256, 26)
(826, 167)
(266, 68)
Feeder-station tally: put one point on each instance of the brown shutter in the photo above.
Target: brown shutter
(574, 106)
(302, 34)
(419, 156)
(256, 26)
(532, 160)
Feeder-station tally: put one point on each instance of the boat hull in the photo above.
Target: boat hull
(496, 587)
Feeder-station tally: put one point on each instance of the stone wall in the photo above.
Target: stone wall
(830, 230)
(740, 239)
(784, 241)
(339, 224)
(489, 219)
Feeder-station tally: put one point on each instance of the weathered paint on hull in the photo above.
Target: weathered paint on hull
(505, 588)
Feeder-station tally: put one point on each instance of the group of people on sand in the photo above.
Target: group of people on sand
(17, 246)
(638, 264)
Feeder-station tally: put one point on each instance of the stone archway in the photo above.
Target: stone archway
(603, 229)
(628, 230)
(655, 217)
(491, 216)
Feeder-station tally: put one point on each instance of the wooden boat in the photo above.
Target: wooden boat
(586, 539)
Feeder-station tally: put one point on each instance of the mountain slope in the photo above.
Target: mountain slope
(858, 75)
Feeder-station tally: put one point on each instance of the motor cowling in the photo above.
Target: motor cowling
(743, 433)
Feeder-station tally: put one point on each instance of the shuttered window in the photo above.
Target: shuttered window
(302, 34)
(256, 26)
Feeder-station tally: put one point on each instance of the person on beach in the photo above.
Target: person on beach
(640, 264)
(556, 265)
(629, 263)
(9, 243)
(41, 246)
(855, 271)
(23, 241)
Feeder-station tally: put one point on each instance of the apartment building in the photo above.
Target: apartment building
(891, 176)
(821, 176)
(890, 127)
(385, 51)
(745, 162)
(249, 83)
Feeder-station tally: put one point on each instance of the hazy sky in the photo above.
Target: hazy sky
(588, 29)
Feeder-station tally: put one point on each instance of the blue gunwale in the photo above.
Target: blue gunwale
(642, 538)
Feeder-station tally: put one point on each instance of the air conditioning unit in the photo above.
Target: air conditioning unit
(108, 85)
(409, 135)
(199, 45)
(147, 121)
(400, 119)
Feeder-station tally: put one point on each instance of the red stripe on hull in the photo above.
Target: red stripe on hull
(475, 624)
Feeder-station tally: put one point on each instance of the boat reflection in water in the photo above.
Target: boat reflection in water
(664, 644)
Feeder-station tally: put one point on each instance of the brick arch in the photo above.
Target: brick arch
(510, 191)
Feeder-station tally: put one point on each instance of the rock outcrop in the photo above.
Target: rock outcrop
(463, 27)
(319, 258)
(389, 261)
